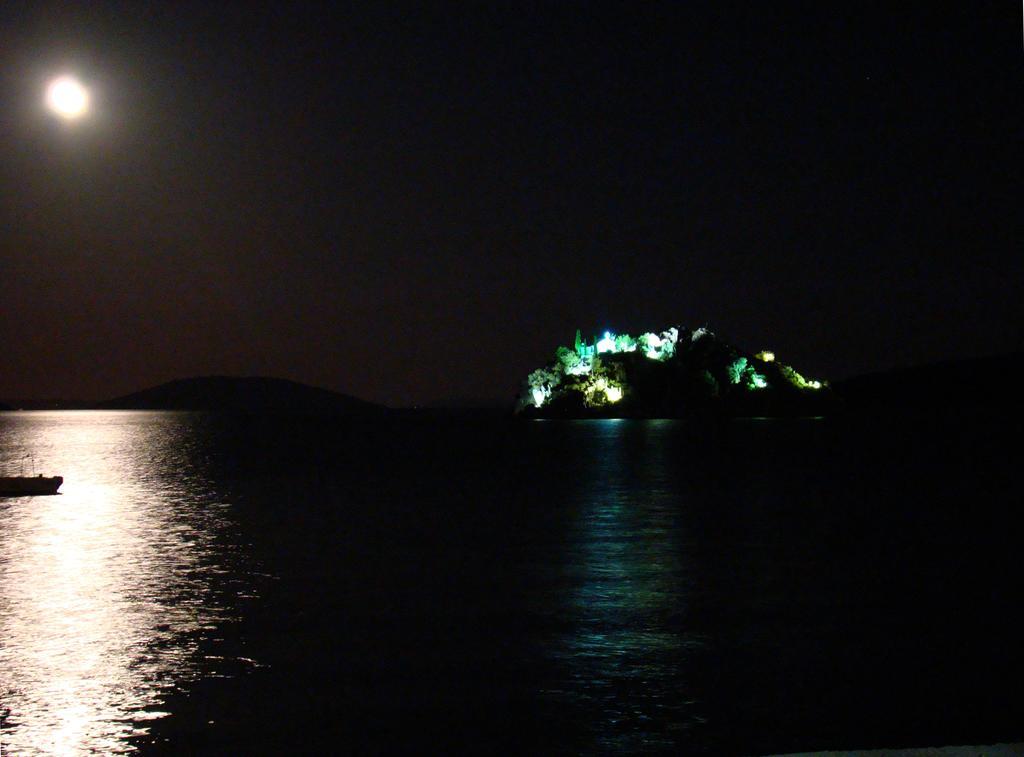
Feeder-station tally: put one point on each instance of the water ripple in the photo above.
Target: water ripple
(109, 591)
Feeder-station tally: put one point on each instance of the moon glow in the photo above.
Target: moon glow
(66, 97)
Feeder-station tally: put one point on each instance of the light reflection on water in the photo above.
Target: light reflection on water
(625, 649)
(108, 590)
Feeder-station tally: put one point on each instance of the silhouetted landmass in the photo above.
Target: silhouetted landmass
(49, 404)
(988, 382)
(243, 395)
(673, 374)
(465, 403)
(4, 407)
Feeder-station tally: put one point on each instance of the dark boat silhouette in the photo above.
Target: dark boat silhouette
(25, 486)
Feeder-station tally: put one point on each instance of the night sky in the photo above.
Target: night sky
(419, 205)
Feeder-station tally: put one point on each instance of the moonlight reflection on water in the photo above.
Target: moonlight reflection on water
(592, 586)
(107, 591)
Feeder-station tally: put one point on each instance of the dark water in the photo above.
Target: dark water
(311, 586)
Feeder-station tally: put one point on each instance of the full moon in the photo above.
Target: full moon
(66, 97)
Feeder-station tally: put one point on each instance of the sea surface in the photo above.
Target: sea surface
(267, 585)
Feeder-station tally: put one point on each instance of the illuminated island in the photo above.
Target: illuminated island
(670, 374)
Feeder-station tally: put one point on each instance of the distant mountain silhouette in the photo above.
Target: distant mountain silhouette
(466, 403)
(242, 395)
(15, 403)
(993, 382)
(5, 407)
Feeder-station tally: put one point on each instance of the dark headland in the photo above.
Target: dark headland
(678, 373)
(990, 383)
(243, 395)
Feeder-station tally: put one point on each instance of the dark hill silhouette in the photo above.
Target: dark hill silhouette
(242, 395)
(992, 382)
(4, 407)
(16, 403)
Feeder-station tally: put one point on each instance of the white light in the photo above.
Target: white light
(607, 344)
(67, 98)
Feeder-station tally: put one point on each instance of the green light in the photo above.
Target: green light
(766, 355)
(625, 343)
(600, 391)
(651, 344)
(797, 380)
(669, 339)
(757, 381)
(572, 363)
(740, 371)
(736, 369)
(659, 346)
(542, 382)
(583, 349)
